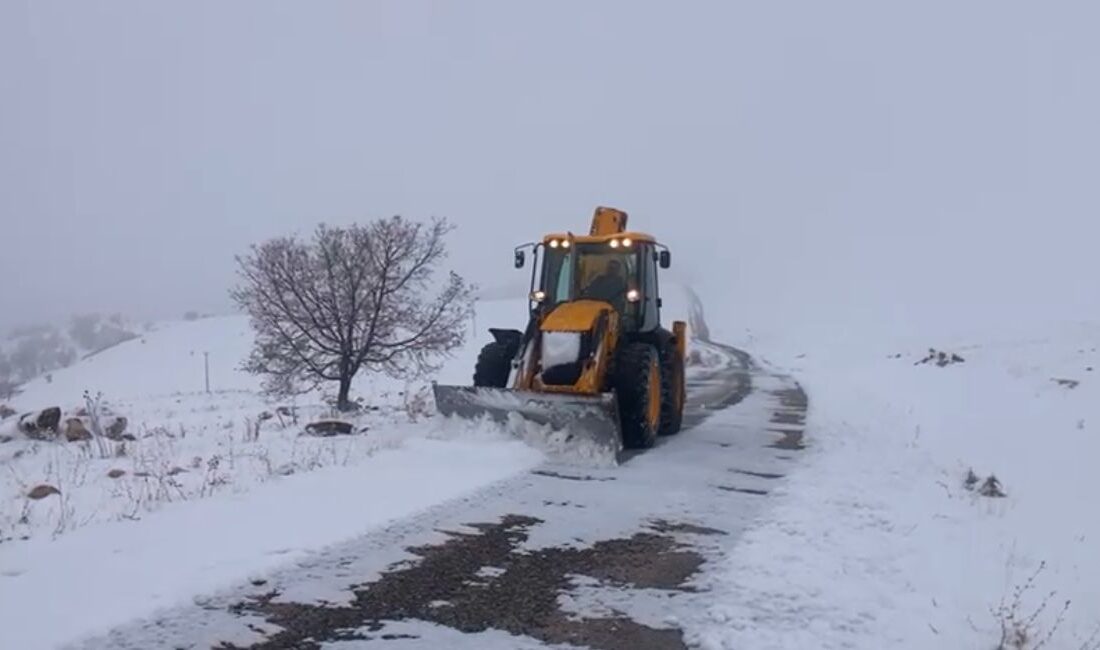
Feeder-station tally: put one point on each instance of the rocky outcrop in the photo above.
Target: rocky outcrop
(75, 431)
(51, 424)
(940, 358)
(115, 428)
(42, 425)
(42, 491)
(325, 428)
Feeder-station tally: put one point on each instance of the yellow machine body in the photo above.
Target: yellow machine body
(583, 397)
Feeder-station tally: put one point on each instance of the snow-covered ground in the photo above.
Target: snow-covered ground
(878, 541)
(874, 538)
(635, 531)
(95, 578)
(215, 486)
(188, 443)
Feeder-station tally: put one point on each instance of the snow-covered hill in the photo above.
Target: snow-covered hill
(165, 361)
(213, 486)
(169, 361)
(186, 442)
(181, 442)
(32, 351)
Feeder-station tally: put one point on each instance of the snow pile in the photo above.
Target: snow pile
(573, 447)
(560, 348)
(890, 534)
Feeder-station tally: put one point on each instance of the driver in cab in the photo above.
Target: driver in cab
(610, 286)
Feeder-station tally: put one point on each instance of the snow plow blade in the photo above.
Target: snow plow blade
(580, 426)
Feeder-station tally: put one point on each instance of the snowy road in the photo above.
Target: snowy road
(558, 557)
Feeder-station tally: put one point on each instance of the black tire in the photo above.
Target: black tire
(637, 367)
(494, 364)
(673, 390)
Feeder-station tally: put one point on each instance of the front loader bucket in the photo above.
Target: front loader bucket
(580, 426)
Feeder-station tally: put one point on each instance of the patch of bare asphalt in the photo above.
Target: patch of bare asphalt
(790, 439)
(571, 477)
(665, 526)
(733, 488)
(767, 475)
(562, 504)
(793, 397)
(445, 587)
(791, 418)
(795, 417)
(742, 388)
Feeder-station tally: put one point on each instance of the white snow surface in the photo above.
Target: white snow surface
(209, 491)
(560, 348)
(872, 540)
(102, 576)
(875, 542)
(213, 490)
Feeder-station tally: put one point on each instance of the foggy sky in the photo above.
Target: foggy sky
(806, 160)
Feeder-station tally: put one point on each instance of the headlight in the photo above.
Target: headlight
(565, 243)
(554, 243)
(633, 295)
(538, 296)
(614, 243)
(628, 242)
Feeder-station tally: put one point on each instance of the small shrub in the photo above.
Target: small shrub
(991, 487)
(419, 404)
(1021, 630)
(940, 358)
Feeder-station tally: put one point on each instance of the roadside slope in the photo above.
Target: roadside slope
(881, 540)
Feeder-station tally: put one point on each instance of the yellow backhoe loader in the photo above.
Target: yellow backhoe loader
(594, 361)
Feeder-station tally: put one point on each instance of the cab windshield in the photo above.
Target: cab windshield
(590, 271)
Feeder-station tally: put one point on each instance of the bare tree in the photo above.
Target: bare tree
(348, 299)
(8, 388)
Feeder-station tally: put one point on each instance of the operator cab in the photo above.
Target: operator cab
(616, 267)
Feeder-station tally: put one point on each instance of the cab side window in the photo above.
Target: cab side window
(651, 318)
(565, 280)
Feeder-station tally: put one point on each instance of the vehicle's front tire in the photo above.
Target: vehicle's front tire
(494, 364)
(673, 390)
(638, 388)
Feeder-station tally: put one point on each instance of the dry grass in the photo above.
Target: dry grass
(1024, 627)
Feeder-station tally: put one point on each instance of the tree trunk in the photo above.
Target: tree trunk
(343, 404)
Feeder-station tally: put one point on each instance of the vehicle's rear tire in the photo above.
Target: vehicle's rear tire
(673, 390)
(637, 384)
(494, 364)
